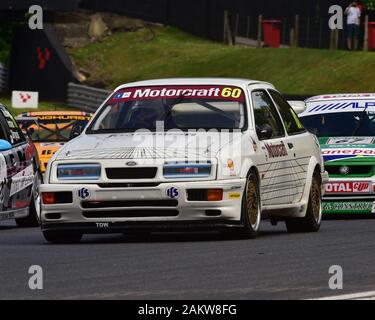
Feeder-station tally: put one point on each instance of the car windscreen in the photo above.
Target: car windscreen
(183, 107)
(53, 128)
(339, 124)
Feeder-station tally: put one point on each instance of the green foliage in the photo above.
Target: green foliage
(5, 41)
(369, 4)
(132, 56)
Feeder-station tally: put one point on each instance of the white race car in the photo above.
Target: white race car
(345, 127)
(173, 154)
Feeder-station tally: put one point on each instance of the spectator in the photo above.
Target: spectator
(353, 20)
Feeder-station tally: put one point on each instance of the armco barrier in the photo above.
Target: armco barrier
(85, 98)
(3, 78)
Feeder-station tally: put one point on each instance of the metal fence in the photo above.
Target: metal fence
(85, 98)
(205, 18)
(3, 78)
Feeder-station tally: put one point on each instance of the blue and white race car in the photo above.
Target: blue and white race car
(20, 175)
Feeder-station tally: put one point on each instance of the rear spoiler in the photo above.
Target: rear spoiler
(298, 106)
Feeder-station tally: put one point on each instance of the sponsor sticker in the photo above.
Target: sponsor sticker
(348, 187)
(276, 150)
(234, 195)
(351, 140)
(349, 152)
(3, 180)
(83, 193)
(22, 180)
(229, 93)
(172, 193)
(348, 207)
(342, 106)
(346, 153)
(3, 167)
(63, 117)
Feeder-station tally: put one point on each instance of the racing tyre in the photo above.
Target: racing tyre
(62, 237)
(251, 210)
(311, 222)
(33, 219)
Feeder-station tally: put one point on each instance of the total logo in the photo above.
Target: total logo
(83, 193)
(173, 193)
(348, 187)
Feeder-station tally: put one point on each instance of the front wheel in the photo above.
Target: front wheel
(33, 219)
(251, 211)
(311, 222)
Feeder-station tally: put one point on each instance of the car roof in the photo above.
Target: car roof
(194, 81)
(341, 96)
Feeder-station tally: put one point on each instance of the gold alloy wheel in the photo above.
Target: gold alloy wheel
(252, 203)
(315, 199)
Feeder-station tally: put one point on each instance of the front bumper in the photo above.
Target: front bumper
(350, 202)
(144, 207)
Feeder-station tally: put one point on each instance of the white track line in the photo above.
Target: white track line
(369, 295)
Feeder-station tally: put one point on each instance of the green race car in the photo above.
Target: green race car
(345, 127)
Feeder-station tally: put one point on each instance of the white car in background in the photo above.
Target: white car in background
(173, 154)
(345, 127)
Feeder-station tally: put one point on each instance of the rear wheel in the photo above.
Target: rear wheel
(251, 211)
(33, 219)
(62, 236)
(311, 222)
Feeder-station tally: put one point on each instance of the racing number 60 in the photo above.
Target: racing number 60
(231, 93)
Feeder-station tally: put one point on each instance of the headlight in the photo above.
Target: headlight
(186, 170)
(78, 171)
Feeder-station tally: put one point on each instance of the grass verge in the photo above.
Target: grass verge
(167, 52)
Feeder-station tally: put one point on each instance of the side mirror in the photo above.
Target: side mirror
(5, 145)
(265, 132)
(298, 106)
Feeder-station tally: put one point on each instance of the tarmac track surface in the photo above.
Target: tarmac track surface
(277, 265)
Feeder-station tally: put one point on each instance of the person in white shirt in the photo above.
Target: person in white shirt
(353, 21)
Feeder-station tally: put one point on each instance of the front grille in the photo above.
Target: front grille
(335, 170)
(129, 204)
(131, 213)
(131, 173)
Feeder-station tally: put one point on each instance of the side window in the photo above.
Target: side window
(16, 136)
(4, 134)
(291, 122)
(265, 113)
